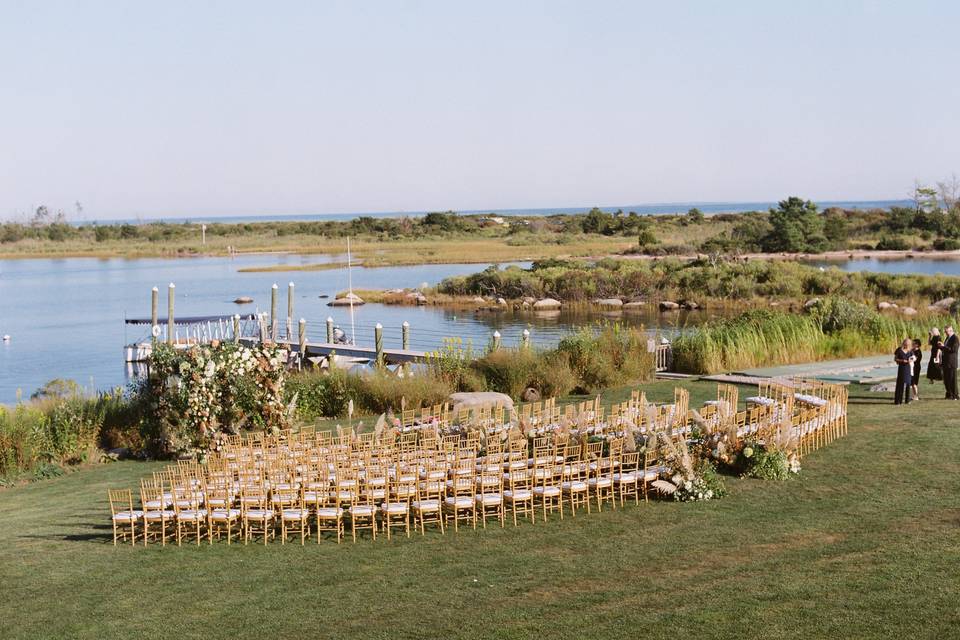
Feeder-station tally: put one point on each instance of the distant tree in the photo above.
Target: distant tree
(597, 221)
(924, 198)
(835, 228)
(41, 216)
(796, 226)
(949, 191)
(695, 216)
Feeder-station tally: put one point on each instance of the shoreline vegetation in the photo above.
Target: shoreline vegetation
(795, 229)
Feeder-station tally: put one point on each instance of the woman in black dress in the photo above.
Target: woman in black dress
(933, 364)
(904, 373)
(917, 357)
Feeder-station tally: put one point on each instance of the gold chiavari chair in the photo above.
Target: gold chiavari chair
(123, 516)
(362, 512)
(547, 494)
(157, 511)
(489, 496)
(256, 513)
(427, 507)
(519, 495)
(627, 478)
(574, 482)
(221, 514)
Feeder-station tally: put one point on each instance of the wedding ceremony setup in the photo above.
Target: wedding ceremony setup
(430, 469)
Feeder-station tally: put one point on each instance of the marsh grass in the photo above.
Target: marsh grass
(767, 338)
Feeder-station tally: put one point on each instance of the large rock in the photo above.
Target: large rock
(944, 304)
(635, 304)
(908, 311)
(669, 305)
(501, 302)
(473, 399)
(528, 300)
(530, 395)
(346, 300)
(479, 300)
(811, 303)
(884, 306)
(609, 302)
(243, 300)
(547, 303)
(689, 304)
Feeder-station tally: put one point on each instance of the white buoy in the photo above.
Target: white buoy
(6, 337)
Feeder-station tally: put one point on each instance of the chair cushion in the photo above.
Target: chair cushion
(574, 485)
(156, 505)
(158, 515)
(488, 498)
(224, 514)
(625, 478)
(547, 491)
(199, 514)
(600, 482)
(394, 507)
(294, 514)
(362, 510)
(459, 501)
(259, 514)
(329, 512)
(425, 505)
(518, 495)
(126, 516)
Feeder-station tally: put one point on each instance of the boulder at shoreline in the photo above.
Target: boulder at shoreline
(547, 303)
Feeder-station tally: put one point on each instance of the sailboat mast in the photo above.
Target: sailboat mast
(353, 328)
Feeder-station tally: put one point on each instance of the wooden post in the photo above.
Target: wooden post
(329, 330)
(154, 307)
(236, 327)
(290, 311)
(303, 342)
(264, 331)
(273, 311)
(378, 343)
(170, 328)
(496, 341)
(525, 339)
(406, 335)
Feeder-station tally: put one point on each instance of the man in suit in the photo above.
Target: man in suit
(904, 373)
(949, 363)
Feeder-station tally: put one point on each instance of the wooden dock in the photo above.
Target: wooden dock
(325, 349)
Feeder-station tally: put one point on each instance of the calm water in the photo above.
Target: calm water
(65, 316)
(926, 266)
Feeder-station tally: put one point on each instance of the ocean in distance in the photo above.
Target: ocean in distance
(708, 208)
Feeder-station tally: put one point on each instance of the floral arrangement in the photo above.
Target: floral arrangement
(691, 478)
(208, 389)
(757, 461)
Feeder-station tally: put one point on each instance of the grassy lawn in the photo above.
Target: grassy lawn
(865, 544)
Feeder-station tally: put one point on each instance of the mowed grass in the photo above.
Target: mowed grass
(865, 544)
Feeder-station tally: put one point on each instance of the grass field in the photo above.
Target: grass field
(864, 544)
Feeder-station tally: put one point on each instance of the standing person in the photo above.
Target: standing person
(904, 373)
(948, 363)
(933, 364)
(916, 355)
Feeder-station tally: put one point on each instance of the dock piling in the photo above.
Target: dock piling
(170, 324)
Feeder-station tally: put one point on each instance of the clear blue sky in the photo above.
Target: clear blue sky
(208, 108)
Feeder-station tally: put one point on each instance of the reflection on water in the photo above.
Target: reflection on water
(917, 265)
(65, 316)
